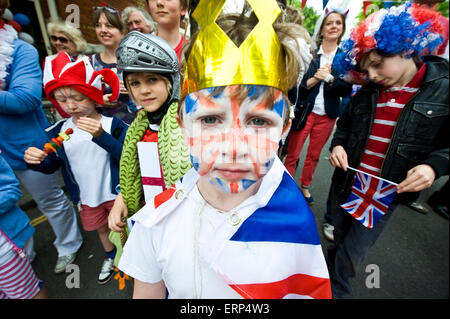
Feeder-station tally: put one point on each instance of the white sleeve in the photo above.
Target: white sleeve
(138, 259)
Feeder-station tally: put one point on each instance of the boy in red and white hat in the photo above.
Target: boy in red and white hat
(89, 160)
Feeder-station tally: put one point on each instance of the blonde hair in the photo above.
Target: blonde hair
(71, 32)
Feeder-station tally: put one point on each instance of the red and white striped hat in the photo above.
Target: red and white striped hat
(79, 75)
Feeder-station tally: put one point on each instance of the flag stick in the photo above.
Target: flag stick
(377, 177)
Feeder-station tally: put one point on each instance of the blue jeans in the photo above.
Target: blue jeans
(352, 241)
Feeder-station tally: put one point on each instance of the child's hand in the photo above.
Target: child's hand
(123, 89)
(418, 178)
(118, 213)
(338, 157)
(91, 126)
(34, 155)
(107, 103)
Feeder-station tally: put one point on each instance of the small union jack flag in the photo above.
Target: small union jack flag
(370, 199)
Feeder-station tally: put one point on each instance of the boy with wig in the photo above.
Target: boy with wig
(396, 127)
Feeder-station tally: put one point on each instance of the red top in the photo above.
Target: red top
(150, 136)
(390, 104)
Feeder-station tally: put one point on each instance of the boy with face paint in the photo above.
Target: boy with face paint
(233, 135)
(89, 160)
(236, 225)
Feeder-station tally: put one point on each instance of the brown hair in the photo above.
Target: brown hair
(184, 4)
(293, 15)
(112, 18)
(319, 36)
(4, 4)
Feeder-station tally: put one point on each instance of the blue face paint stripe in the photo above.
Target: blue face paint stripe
(221, 185)
(279, 107)
(190, 104)
(269, 163)
(246, 183)
(195, 162)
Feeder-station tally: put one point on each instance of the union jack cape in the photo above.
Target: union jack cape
(274, 253)
(370, 199)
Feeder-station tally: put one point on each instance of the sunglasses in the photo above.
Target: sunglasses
(109, 9)
(63, 40)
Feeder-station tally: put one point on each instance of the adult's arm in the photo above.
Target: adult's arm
(24, 88)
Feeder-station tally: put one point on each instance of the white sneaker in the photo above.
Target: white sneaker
(106, 272)
(63, 262)
(328, 231)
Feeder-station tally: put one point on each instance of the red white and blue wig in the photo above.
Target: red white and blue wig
(407, 29)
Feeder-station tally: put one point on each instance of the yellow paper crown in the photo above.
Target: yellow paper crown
(216, 61)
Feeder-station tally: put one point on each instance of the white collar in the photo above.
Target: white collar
(269, 184)
(320, 51)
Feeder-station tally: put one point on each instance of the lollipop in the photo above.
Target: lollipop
(56, 143)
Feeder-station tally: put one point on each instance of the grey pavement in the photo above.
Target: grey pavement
(412, 254)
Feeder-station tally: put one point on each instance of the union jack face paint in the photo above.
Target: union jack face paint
(74, 103)
(233, 141)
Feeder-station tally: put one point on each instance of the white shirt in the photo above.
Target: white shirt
(180, 240)
(319, 105)
(90, 164)
(200, 252)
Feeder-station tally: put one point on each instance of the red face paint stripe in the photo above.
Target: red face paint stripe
(209, 164)
(234, 187)
(255, 166)
(205, 101)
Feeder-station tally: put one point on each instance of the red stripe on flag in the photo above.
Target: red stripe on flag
(163, 197)
(367, 198)
(300, 284)
(154, 181)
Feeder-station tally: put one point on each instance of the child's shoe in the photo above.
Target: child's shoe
(106, 272)
(63, 262)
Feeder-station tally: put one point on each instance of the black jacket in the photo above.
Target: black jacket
(421, 135)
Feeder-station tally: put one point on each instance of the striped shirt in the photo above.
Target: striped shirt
(390, 104)
(17, 278)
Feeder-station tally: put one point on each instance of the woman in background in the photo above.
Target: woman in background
(110, 31)
(320, 94)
